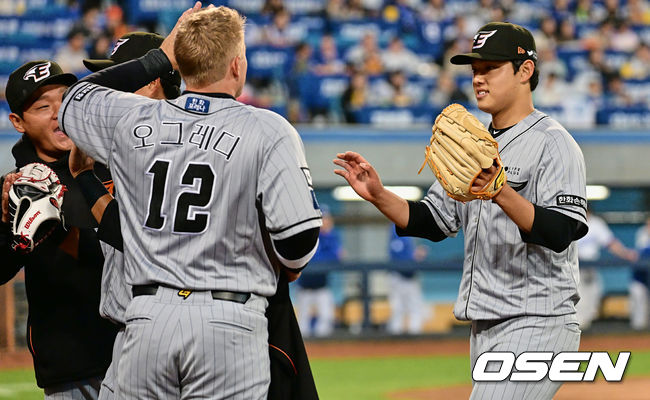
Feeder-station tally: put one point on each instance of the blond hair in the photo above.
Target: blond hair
(206, 42)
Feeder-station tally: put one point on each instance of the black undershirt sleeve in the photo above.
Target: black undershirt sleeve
(553, 230)
(298, 245)
(110, 230)
(132, 75)
(421, 223)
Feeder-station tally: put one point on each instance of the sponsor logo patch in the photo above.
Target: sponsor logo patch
(197, 105)
(81, 93)
(571, 200)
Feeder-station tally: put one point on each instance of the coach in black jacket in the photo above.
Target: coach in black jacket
(70, 343)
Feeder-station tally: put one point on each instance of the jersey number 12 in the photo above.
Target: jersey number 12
(182, 221)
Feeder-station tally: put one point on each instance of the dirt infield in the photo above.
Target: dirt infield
(428, 347)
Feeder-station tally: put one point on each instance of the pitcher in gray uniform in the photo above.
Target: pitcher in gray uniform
(520, 273)
(212, 190)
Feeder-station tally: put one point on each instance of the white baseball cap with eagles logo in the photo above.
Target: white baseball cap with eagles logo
(25, 80)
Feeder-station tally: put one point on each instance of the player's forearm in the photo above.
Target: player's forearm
(520, 210)
(132, 75)
(393, 207)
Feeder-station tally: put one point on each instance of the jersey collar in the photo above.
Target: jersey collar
(216, 95)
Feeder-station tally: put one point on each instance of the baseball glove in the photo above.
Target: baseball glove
(35, 201)
(459, 149)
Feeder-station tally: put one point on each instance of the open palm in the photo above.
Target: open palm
(361, 176)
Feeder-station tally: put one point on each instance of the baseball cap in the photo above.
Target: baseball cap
(29, 77)
(500, 41)
(130, 46)
(134, 45)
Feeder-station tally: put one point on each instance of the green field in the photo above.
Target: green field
(349, 379)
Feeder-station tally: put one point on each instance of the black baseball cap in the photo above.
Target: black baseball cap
(29, 77)
(130, 46)
(500, 41)
(134, 45)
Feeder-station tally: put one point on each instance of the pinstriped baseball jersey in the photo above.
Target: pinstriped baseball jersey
(193, 171)
(115, 292)
(502, 275)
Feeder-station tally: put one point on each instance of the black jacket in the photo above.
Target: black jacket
(68, 339)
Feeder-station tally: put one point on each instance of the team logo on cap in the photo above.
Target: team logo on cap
(118, 44)
(38, 72)
(481, 37)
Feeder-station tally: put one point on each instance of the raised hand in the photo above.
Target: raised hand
(361, 176)
(168, 44)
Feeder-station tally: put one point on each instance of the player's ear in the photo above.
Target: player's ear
(17, 122)
(234, 66)
(526, 70)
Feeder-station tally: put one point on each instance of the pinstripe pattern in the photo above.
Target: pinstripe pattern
(503, 276)
(87, 389)
(196, 348)
(109, 383)
(161, 155)
(266, 162)
(115, 292)
(516, 335)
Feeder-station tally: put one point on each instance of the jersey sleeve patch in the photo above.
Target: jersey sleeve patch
(571, 200)
(83, 91)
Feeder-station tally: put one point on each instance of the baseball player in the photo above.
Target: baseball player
(520, 271)
(115, 292)
(290, 370)
(69, 342)
(216, 190)
(590, 285)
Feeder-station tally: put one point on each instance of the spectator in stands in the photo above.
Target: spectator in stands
(600, 38)
(552, 91)
(623, 38)
(398, 57)
(341, 10)
(447, 92)
(300, 70)
(397, 91)
(584, 12)
(405, 294)
(71, 56)
(358, 54)
(590, 286)
(638, 12)
(355, 96)
(115, 24)
(403, 15)
(272, 7)
(560, 9)
(372, 63)
(327, 57)
(434, 11)
(89, 22)
(550, 63)
(616, 95)
(314, 292)
(279, 33)
(638, 65)
(639, 291)
(566, 35)
(100, 46)
(546, 35)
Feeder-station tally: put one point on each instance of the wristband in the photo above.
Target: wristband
(91, 187)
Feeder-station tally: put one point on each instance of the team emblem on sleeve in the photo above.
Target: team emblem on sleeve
(38, 72)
